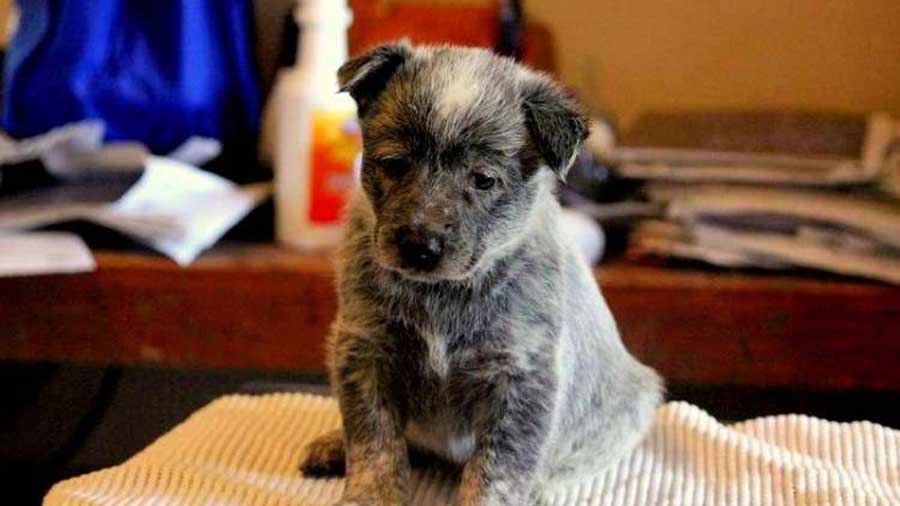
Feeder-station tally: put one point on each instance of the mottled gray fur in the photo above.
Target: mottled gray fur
(469, 327)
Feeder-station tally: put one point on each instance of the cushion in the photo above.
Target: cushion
(245, 450)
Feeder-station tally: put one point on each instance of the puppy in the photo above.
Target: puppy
(469, 328)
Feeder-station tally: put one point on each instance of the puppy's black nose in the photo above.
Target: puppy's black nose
(419, 249)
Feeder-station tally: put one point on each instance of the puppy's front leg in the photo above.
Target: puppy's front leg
(512, 427)
(376, 455)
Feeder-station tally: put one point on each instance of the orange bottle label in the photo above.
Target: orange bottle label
(336, 144)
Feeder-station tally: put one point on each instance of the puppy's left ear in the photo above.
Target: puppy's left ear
(557, 126)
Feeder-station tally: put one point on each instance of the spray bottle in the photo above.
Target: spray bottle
(317, 135)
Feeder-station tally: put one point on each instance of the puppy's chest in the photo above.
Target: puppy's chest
(447, 332)
(433, 362)
(436, 372)
(444, 339)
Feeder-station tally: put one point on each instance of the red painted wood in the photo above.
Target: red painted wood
(260, 307)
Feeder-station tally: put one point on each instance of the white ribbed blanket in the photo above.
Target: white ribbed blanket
(244, 450)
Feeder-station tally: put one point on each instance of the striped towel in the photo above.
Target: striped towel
(244, 450)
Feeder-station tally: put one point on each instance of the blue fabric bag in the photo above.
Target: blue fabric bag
(156, 71)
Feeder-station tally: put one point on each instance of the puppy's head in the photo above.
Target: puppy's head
(459, 147)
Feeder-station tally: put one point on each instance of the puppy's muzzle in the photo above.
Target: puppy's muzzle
(418, 248)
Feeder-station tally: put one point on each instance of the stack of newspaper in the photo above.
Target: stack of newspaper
(770, 190)
(164, 203)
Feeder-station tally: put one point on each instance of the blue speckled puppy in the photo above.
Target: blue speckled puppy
(469, 327)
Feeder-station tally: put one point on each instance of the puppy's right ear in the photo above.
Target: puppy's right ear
(366, 76)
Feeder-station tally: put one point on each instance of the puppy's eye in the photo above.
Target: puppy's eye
(394, 167)
(482, 182)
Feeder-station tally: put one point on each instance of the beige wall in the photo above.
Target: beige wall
(631, 55)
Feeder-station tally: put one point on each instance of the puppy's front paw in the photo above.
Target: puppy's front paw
(324, 456)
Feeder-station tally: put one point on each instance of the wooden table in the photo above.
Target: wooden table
(261, 307)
